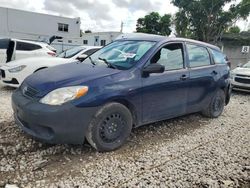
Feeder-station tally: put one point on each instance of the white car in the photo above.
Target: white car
(13, 73)
(240, 78)
(14, 49)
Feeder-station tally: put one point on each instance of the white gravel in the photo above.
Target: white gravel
(190, 151)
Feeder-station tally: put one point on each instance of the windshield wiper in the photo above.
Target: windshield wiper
(109, 64)
(91, 60)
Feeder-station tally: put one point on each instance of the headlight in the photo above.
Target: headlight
(17, 69)
(65, 94)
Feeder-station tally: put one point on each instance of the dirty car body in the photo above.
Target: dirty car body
(150, 93)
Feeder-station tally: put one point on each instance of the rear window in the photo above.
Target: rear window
(23, 46)
(219, 58)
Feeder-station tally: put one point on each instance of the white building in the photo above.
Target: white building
(99, 38)
(40, 27)
(35, 26)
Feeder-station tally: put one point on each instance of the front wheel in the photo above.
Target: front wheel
(110, 127)
(216, 106)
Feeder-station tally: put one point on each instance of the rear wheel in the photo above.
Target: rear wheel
(110, 128)
(216, 106)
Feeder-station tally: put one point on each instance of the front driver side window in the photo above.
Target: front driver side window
(170, 56)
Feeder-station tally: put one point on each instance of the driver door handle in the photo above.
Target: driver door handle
(214, 72)
(184, 77)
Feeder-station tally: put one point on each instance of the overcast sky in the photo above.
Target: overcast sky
(99, 15)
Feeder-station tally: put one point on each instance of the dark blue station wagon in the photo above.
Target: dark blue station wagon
(131, 82)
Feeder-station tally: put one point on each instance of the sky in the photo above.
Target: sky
(100, 15)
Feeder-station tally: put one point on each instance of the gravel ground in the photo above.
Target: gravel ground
(190, 151)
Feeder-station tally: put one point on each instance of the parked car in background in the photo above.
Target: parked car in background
(15, 72)
(14, 49)
(128, 83)
(240, 77)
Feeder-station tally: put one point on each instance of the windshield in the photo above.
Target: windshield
(121, 54)
(71, 52)
(246, 65)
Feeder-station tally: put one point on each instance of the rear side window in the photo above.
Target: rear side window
(91, 51)
(170, 56)
(219, 58)
(198, 56)
(23, 46)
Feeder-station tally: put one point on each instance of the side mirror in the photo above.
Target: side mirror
(82, 57)
(153, 68)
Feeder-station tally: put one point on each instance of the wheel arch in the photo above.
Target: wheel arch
(130, 107)
(40, 68)
(226, 87)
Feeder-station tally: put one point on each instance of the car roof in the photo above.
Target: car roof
(27, 41)
(159, 38)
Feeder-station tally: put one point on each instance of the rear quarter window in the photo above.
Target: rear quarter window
(218, 57)
(23, 46)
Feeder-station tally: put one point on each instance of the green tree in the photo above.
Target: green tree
(206, 20)
(153, 23)
(234, 29)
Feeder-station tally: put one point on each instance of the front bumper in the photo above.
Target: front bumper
(236, 85)
(9, 79)
(52, 124)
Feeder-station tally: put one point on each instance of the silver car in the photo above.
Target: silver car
(240, 78)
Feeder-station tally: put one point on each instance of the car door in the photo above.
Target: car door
(203, 77)
(165, 94)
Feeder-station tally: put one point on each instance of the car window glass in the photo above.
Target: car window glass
(218, 57)
(198, 56)
(4, 43)
(71, 52)
(91, 51)
(170, 56)
(23, 46)
(247, 65)
(121, 54)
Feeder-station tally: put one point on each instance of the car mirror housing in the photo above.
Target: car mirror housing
(153, 68)
(82, 57)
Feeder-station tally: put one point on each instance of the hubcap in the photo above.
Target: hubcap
(111, 128)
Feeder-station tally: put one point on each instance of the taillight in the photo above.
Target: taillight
(51, 53)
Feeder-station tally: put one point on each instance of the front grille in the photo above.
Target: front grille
(28, 91)
(242, 80)
(2, 73)
(242, 75)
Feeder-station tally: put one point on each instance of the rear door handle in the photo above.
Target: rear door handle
(214, 72)
(184, 77)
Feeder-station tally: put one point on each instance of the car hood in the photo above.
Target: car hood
(44, 60)
(67, 75)
(240, 70)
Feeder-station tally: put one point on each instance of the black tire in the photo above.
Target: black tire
(216, 106)
(110, 127)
